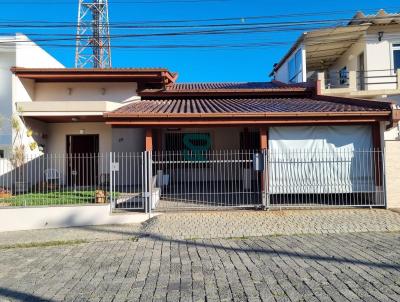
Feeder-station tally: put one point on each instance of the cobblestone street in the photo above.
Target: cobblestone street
(145, 266)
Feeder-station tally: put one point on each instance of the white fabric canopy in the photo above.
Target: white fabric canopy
(321, 159)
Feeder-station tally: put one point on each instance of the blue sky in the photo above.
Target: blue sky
(193, 64)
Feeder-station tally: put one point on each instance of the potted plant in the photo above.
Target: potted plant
(5, 193)
(101, 196)
(33, 146)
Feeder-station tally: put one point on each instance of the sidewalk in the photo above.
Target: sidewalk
(88, 233)
(223, 224)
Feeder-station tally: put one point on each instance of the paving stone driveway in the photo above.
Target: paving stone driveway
(189, 225)
(322, 262)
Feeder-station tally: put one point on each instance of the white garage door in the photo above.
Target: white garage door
(321, 159)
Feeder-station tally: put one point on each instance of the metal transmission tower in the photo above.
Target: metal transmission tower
(93, 47)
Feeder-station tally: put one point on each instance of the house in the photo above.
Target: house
(359, 60)
(204, 138)
(141, 139)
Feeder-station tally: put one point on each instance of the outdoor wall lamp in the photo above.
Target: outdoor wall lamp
(103, 91)
(380, 36)
(69, 90)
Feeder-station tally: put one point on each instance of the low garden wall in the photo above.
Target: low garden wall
(17, 219)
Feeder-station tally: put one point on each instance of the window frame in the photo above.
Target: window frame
(395, 47)
(297, 60)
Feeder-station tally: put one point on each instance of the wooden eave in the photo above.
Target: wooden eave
(162, 76)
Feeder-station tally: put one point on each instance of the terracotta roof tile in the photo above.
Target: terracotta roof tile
(221, 85)
(233, 88)
(245, 105)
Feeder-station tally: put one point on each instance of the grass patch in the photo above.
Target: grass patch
(41, 244)
(58, 197)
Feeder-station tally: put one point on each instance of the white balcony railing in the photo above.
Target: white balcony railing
(360, 82)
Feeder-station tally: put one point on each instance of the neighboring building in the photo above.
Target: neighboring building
(361, 59)
(16, 50)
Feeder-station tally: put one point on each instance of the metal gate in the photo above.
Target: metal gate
(160, 181)
(207, 180)
(128, 180)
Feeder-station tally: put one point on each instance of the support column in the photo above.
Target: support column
(263, 138)
(376, 143)
(149, 139)
(264, 175)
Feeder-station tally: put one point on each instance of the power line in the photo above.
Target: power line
(312, 42)
(238, 18)
(111, 2)
(224, 29)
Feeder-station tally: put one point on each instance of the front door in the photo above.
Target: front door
(82, 161)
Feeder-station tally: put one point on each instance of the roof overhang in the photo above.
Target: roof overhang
(151, 75)
(325, 46)
(67, 118)
(267, 119)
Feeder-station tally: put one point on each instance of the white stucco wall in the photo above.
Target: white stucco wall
(29, 54)
(22, 54)
(392, 169)
(282, 74)
(128, 139)
(379, 57)
(7, 59)
(112, 92)
(18, 219)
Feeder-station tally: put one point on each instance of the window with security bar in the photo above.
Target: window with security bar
(191, 146)
(249, 140)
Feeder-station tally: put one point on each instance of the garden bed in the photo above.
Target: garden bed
(52, 198)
